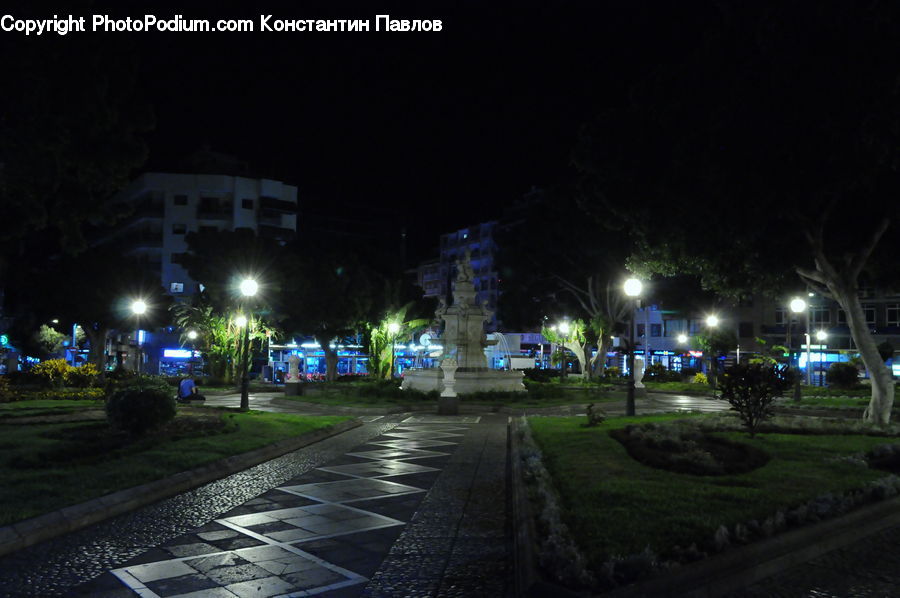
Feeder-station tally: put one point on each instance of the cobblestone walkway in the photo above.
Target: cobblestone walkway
(867, 568)
(414, 508)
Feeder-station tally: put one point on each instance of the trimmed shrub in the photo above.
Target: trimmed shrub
(612, 372)
(842, 375)
(657, 372)
(82, 377)
(699, 378)
(141, 406)
(751, 389)
(51, 372)
(5, 394)
(541, 374)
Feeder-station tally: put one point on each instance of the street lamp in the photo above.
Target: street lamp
(797, 306)
(821, 336)
(712, 321)
(682, 339)
(138, 308)
(393, 329)
(192, 336)
(632, 288)
(248, 288)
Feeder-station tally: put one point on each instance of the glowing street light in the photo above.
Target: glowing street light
(822, 335)
(798, 305)
(192, 335)
(682, 339)
(712, 320)
(563, 328)
(249, 287)
(240, 321)
(138, 307)
(632, 288)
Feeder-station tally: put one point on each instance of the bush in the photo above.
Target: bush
(5, 394)
(842, 375)
(699, 378)
(125, 380)
(750, 389)
(689, 373)
(541, 374)
(612, 372)
(51, 372)
(82, 377)
(657, 372)
(140, 406)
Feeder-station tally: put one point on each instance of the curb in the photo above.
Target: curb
(527, 577)
(50, 525)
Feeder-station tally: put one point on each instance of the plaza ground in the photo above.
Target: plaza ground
(408, 504)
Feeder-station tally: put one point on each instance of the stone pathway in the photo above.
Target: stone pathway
(419, 510)
(867, 568)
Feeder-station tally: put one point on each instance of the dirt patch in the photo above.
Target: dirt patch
(684, 449)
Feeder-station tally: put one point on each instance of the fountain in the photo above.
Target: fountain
(464, 341)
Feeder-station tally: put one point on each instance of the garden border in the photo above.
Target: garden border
(50, 525)
(713, 576)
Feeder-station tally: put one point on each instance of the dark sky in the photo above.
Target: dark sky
(405, 126)
(428, 131)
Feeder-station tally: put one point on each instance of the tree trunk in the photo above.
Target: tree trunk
(879, 409)
(97, 352)
(598, 362)
(331, 359)
(712, 371)
(579, 352)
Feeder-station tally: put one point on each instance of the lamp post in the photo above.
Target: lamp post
(632, 288)
(248, 288)
(393, 329)
(192, 336)
(821, 336)
(138, 308)
(797, 306)
(563, 328)
(712, 321)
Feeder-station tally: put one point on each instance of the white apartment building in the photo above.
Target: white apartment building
(164, 207)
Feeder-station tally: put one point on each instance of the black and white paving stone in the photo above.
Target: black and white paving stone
(342, 528)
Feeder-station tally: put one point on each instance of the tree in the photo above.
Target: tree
(575, 341)
(99, 286)
(781, 120)
(715, 343)
(750, 389)
(381, 340)
(577, 271)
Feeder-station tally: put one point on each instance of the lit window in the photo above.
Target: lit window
(176, 287)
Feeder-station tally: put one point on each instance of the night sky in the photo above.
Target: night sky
(393, 127)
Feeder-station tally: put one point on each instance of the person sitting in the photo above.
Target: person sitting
(188, 391)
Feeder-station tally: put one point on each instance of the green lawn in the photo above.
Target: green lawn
(34, 484)
(616, 506)
(825, 401)
(46, 407)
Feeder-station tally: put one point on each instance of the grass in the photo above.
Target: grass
(46, 407)
(526, 400)
(820, 401)
(27, 492)
(616, 506)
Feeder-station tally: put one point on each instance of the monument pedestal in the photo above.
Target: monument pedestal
(448, 405)
(293, 389)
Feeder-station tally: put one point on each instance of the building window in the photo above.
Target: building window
(892, 314)
(180, 200)
(745, 329)
(179, 229)
(208, 229)
(869, 310)
(841, 317)
(820, 315)
(655, 329)
(640, 330)
(780, 316)
(176, 287)
(247, 204)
